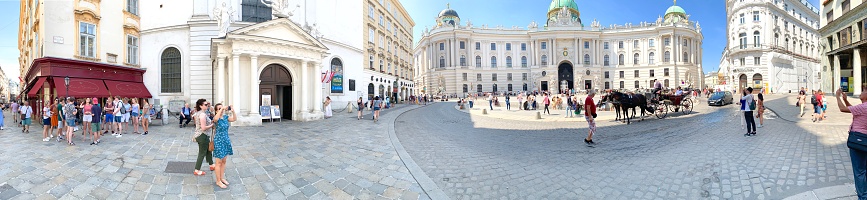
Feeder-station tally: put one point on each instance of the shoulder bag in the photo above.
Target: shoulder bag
(857, 141)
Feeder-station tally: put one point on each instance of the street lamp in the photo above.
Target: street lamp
(66, 82)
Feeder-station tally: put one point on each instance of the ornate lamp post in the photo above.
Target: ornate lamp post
(66, 82)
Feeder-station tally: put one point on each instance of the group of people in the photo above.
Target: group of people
(749, 103)
(376, 104)
(818, 102)
(212, 136)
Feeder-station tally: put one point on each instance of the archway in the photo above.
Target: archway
(742, 82)
(564, 73)
(757, 83)
(381, 93)
(370, 91)
(275, 88)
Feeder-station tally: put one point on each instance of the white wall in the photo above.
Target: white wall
(151, 52)
(162, 13)
(58, 21)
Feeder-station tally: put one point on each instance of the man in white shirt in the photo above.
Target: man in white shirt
(748, 112)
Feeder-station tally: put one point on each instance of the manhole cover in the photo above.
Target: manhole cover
(180, 167)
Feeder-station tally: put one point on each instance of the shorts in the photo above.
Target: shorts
(375, 108)
(54, 121)
(26, 121)
(118, 119)
(590, 124)
(134, 114)
(94, 127)
(87, 118)
(818, 109)
(109, 118)
(70, 122)
(46, 122)
(126, 117)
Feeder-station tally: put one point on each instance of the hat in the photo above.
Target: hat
(95, 100)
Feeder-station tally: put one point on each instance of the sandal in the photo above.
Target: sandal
(198, 173)
(212, 167)
(219, 184)
(224, 181)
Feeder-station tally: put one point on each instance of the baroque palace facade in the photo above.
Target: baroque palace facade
(560, 55)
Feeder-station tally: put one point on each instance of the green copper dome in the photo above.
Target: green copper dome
(563, 3)
(675, 9)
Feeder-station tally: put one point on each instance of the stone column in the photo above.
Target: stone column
(856, 72)
(305, 88)
(254, 84)
(235, 80)
(221, 79)
(317, 90)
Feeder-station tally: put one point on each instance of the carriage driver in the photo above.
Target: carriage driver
(657, 86)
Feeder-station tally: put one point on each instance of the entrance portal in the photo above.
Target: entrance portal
(564, 73)
(276, 82)
(544, 86)
(588, 84)
(742, 84)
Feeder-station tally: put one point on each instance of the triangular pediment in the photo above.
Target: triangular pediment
(278, 29)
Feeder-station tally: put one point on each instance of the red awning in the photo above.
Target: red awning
(36, 87)
(81, 87)
(128, 89)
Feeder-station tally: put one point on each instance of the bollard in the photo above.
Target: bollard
(538, 115)
(349, 107)
(484, 111)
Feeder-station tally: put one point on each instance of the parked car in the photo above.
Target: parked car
(720, 98)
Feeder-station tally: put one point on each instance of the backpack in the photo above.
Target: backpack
(122, 109)
(813, 100)
(753, 105)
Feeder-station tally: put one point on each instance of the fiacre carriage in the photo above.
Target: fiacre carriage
(669, 103)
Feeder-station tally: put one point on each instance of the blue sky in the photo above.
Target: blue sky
(9, 38)
(709, 13)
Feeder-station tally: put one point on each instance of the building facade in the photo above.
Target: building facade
(388, 50)
(91, 43)
(772, 45)
(844, 23)
(560, 55)
(711, 80)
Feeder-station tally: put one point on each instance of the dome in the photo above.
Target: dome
(675, 9)
(449, 12)
(563, 4)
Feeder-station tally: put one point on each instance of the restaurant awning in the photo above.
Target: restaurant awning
(128, 89)
(36, 87)
(81, 87)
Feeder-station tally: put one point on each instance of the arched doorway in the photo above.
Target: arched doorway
(370, 91)
(742, 82)
(276, 82)
(757, 82)
(381, 91)
(564, 73)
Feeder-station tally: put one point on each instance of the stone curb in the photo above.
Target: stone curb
(832, 192)
(427, 184)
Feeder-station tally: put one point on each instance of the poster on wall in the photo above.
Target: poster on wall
(337, 76)
(266, 100)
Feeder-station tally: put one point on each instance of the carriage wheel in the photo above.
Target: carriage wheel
(660, 111)
(687, 106)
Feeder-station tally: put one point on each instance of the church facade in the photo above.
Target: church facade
(560, 55)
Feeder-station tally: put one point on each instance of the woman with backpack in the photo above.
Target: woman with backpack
(747, 106)
(817, 106)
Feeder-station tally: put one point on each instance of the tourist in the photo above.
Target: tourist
(147, 111)
(134, 115)
(508, 104)
(590, 116)
(200, 136)
(15, 116)
(749, 118)
(46, 121)
(858, 127)
(87, 117)
(69, 112)
(760, 109)
(377, 105)
(184, 115)
(472, 98)
(222, 143)
(824, 105)
(109, 116)
(118, 117)
(327, 105)
(817, 106)
(569, 106)
(547, 101)
(26, 111)
(56, 116)
(127, 106)
(96, 115)
(520, 101)
(360, 104)
(491, 100)
(801, 102)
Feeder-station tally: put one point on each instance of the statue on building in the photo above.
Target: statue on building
(697, 27)
(469, 24)
(224, 16)
(533, 25)
(659, 21)
(595, 23)
(279, 8)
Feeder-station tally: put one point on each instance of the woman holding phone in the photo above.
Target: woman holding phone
(222, 143)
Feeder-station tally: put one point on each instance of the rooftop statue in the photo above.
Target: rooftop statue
(223, 15)
(279, 8)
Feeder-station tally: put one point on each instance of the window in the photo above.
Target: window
(87, 40)
(544, 60)
(478, 77)
(493, 77)
(493, 61)
(666, 83)
(479, 88)
(510, 87)
(620, 45)
(757, 39)
(830, 16)
(493, 46)
(756, 16)
(523, 46)
(605, 60)
(478, 46)
(256, 11)
(586, 45)
(665, 72)
(607, 85)
(170, 69)
(685, 57)
(652, 43)
(605, 45)
(525, 87)
(743, 61)
(845, 6)
(635, 59)
(652, 74)
(635, 44)
(622, 74)
(666, 57)
(464, 76)
(636, 84)
(743, 40)
(463, 60)
(442, 46)
(131, 49)
(524, 61)
(524, 77)
(509, 77)
(742, 18)
(606, 74)
(371, 37)
(463, 45)
(132, 6)
(635, 73)
(666, 41)
(371, 62)
(381, 65)
(544, 45)
(465, 88)
(685, 42)
(586, 59)
(757, 60)
(478, 61)
(370, 11)
(621, 84)
(650, 58)
(620, 59)
(509, 61)
(508, 46)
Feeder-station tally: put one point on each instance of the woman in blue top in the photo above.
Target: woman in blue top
(222, 144)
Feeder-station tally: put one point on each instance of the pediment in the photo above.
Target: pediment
(279, 29)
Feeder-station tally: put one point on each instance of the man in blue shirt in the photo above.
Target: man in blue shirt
(96, 111)
(185, 114)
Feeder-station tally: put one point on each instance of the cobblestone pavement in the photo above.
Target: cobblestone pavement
(699, 156)
(784, 105)
(337, 158)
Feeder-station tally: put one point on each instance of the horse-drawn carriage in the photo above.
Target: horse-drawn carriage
(671, 103)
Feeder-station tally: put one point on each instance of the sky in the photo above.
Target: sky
(9, 38)
(710, 14)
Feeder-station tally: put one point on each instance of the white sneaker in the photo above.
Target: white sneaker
(45, 139)
(50, 136)
(119, 136)
(114, 134)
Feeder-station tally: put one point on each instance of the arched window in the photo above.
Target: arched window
(586, 59)
(478, 61)
(635, 44)
(170, 69)
(494, 88)
(544, 60)
(685, 57)
(493, 61)
(756, 39)
(635, 58)
(479, 88)
(666, 57)
(337, 79)
(523, 61)
(442, 62)
(651, 58)
(605, 60)
(743, 40)
(509, 61)
(620, 59)
(463, 60)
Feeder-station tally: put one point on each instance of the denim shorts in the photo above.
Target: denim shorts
(118, 119)
(109, 118)
(818, 109)
(70, 122)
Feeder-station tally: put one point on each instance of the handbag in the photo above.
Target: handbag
(211, 145)
(857, 141)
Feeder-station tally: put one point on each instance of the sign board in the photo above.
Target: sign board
(58, 39)
(265, 111)
(337, 83)
(266, 100)
(275, 112)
